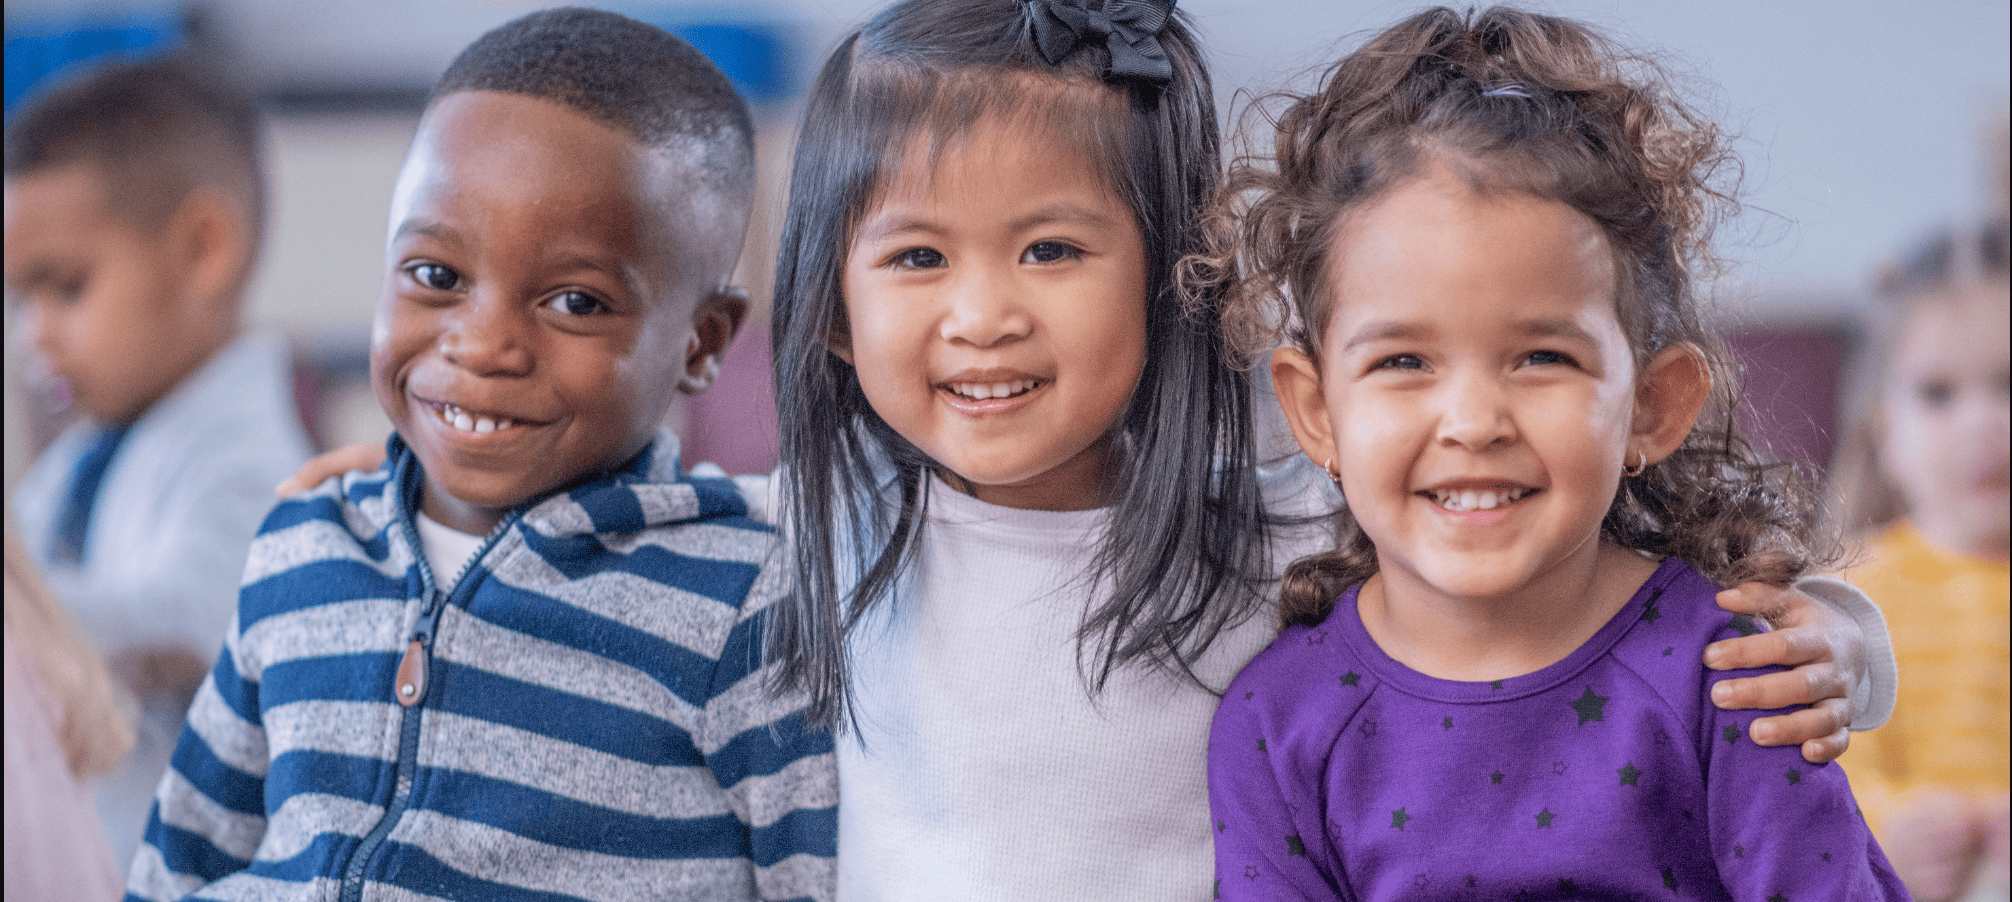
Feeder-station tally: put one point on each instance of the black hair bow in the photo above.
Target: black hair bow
(1129, 28)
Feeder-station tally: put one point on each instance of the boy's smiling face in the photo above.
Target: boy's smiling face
(551, 282)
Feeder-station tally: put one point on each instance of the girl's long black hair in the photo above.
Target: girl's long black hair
(1184, 551)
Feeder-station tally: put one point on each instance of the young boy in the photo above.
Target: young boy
(133, 208)
(523, 659)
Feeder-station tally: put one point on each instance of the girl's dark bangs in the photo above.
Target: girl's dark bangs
(1080, 119)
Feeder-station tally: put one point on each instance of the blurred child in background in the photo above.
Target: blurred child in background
(1924, 476)
(63, 725)
(134, 203)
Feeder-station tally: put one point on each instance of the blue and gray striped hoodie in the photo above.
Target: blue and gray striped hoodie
(584, 715)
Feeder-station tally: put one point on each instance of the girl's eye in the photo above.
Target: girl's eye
(919, 258)
(1050, 252)
(1400, 362)
(1540, 358)
(435, 276)
(576, 303)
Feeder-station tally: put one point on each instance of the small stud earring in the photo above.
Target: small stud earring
(1332, 476)
(1641, 463)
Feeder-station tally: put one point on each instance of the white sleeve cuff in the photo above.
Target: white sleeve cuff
(1873, 697)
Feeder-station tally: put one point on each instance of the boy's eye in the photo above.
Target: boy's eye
(576, 303)
(1540, 358)
(435, 276)
(1935, 394)
(1400, 362)
(1050, 252)
(919, 258)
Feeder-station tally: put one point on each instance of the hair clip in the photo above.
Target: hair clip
(1128, 28)
(1508, 90)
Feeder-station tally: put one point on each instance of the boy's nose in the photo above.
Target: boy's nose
(487, 338)
(1475, 414)
(985, 309)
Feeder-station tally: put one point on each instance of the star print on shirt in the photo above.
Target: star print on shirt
(1446, 723)
(1421, 881)
(1351, 678)
(1295, 846)
(1794, 777)
(1777, 897)
(1398, 818)
(1368, 728)
(1250, 872)
(1495, 684)
(1261, 745)
(1743, 625)
(1558, 767)
(1669, 651)
(1495, 777)
(1318, 637)
(1591, 706)
(1629, 774)
(1730, 734)
(1651, 613)
(1544, 818)
(1670, 879)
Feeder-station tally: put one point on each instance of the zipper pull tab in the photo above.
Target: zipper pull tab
(410, 686)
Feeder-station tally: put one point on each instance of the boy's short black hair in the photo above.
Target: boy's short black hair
(631, 75)
(154, 128)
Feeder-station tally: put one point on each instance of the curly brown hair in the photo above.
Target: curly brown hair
(1514, 101)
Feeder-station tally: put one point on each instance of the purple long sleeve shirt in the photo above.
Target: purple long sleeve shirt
(1337, 773)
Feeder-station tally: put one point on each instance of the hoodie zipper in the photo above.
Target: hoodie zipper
(409, 690)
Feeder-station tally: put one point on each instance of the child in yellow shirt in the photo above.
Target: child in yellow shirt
(1932, 497)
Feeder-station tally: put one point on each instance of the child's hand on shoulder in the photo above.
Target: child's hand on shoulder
(363, 458)
(1826, 650)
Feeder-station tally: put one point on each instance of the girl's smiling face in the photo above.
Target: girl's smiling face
(1476, 390)
(995, 296)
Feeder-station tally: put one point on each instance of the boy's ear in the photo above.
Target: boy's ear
(714, 321)
(212, 243)
(1669, 398)
(1295, 378)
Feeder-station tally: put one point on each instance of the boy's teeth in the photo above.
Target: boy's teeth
(462, 420)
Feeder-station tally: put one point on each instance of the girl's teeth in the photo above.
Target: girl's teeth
(987, 392)
(1461, 502)
(485, 424)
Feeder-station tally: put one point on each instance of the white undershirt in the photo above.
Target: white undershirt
(983, 768)
(447, 550)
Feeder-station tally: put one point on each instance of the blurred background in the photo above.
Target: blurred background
(1863, 126)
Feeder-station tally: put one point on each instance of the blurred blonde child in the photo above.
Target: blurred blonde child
(63, 725)
(1924, 475)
